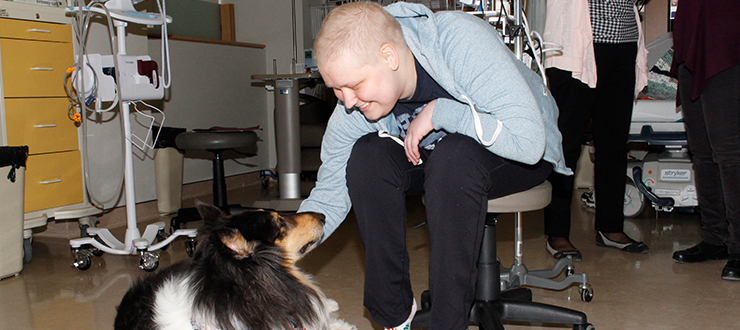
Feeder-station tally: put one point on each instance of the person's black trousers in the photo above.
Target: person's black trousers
(713, 128)
(456, 178)
(609, 108)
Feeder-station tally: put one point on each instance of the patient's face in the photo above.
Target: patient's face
(372, 88)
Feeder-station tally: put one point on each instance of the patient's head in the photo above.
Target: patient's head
(358, 30)
(362, 56)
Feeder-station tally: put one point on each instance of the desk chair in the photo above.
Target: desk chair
(215, 142)
(500, 295)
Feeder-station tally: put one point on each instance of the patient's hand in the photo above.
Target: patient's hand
(418, 129)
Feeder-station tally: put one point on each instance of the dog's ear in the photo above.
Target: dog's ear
(210, 214)
(234, 241)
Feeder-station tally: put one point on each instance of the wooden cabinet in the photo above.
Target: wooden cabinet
(35, 56)
(34, 68)
(40, 123)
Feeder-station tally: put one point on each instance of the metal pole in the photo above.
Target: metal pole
(132, 231)
(287, 138)
(295, 41)
(518, 47)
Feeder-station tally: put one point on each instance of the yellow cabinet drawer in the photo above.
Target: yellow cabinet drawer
(20, 29)
(40, 123)
(34, 68)
(53, 180)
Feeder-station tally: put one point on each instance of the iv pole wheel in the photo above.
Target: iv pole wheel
(149, 261)
(83, 259)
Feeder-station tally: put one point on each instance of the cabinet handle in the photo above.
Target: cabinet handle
(50, 181)
(41, 69)
(39, 30)
(45, 125)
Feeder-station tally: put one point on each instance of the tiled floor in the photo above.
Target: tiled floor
(630, 291)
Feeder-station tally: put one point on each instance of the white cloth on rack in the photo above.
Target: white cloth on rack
(569, 25)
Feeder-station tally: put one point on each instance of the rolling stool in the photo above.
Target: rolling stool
(499, 295)
(216, 142)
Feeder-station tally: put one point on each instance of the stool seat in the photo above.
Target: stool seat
(217, 142)
(529, 200)
(207, 140)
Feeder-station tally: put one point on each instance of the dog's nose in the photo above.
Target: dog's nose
(322, 218)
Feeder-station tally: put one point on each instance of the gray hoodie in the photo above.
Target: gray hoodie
(498, 101)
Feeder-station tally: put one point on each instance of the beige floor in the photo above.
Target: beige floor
(630, 291)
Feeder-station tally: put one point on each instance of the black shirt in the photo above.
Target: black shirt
(405, 110)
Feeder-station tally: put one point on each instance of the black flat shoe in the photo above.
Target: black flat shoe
(731, 272)
(631, 247)
(574, 254)
(701, 252)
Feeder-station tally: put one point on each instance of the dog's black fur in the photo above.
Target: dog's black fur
(242, 276)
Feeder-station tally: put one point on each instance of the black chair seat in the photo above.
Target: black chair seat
(216, 142)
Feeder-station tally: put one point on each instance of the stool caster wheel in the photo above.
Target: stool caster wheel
(587, 292)
(190, 246)
(587, 326)
(149, 261)
(83, 259)
(570, 270)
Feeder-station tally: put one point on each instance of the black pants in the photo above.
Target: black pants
(457, 178)
(713, 128)
(609, 107)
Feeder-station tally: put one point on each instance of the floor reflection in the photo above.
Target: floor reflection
(630, 291)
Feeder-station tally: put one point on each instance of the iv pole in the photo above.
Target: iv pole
(518, 29)
(122, 11)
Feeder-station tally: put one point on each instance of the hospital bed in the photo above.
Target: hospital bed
(662, 178)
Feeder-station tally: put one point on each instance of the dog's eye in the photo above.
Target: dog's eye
(306, 247)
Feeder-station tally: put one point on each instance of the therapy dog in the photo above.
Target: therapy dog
(242, 276)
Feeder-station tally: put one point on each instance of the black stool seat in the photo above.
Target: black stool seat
(215, 141)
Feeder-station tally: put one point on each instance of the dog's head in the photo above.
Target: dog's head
(241, 235)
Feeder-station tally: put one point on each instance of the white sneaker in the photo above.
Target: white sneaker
(589, 198)
(406, 325)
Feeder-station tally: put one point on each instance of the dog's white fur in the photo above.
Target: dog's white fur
(174, 309)
(173, 305)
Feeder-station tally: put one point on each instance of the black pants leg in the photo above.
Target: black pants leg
(574, 100)
(457, 178)
(378, 178)
(612, 113)
(609, 107)
(713, 128)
